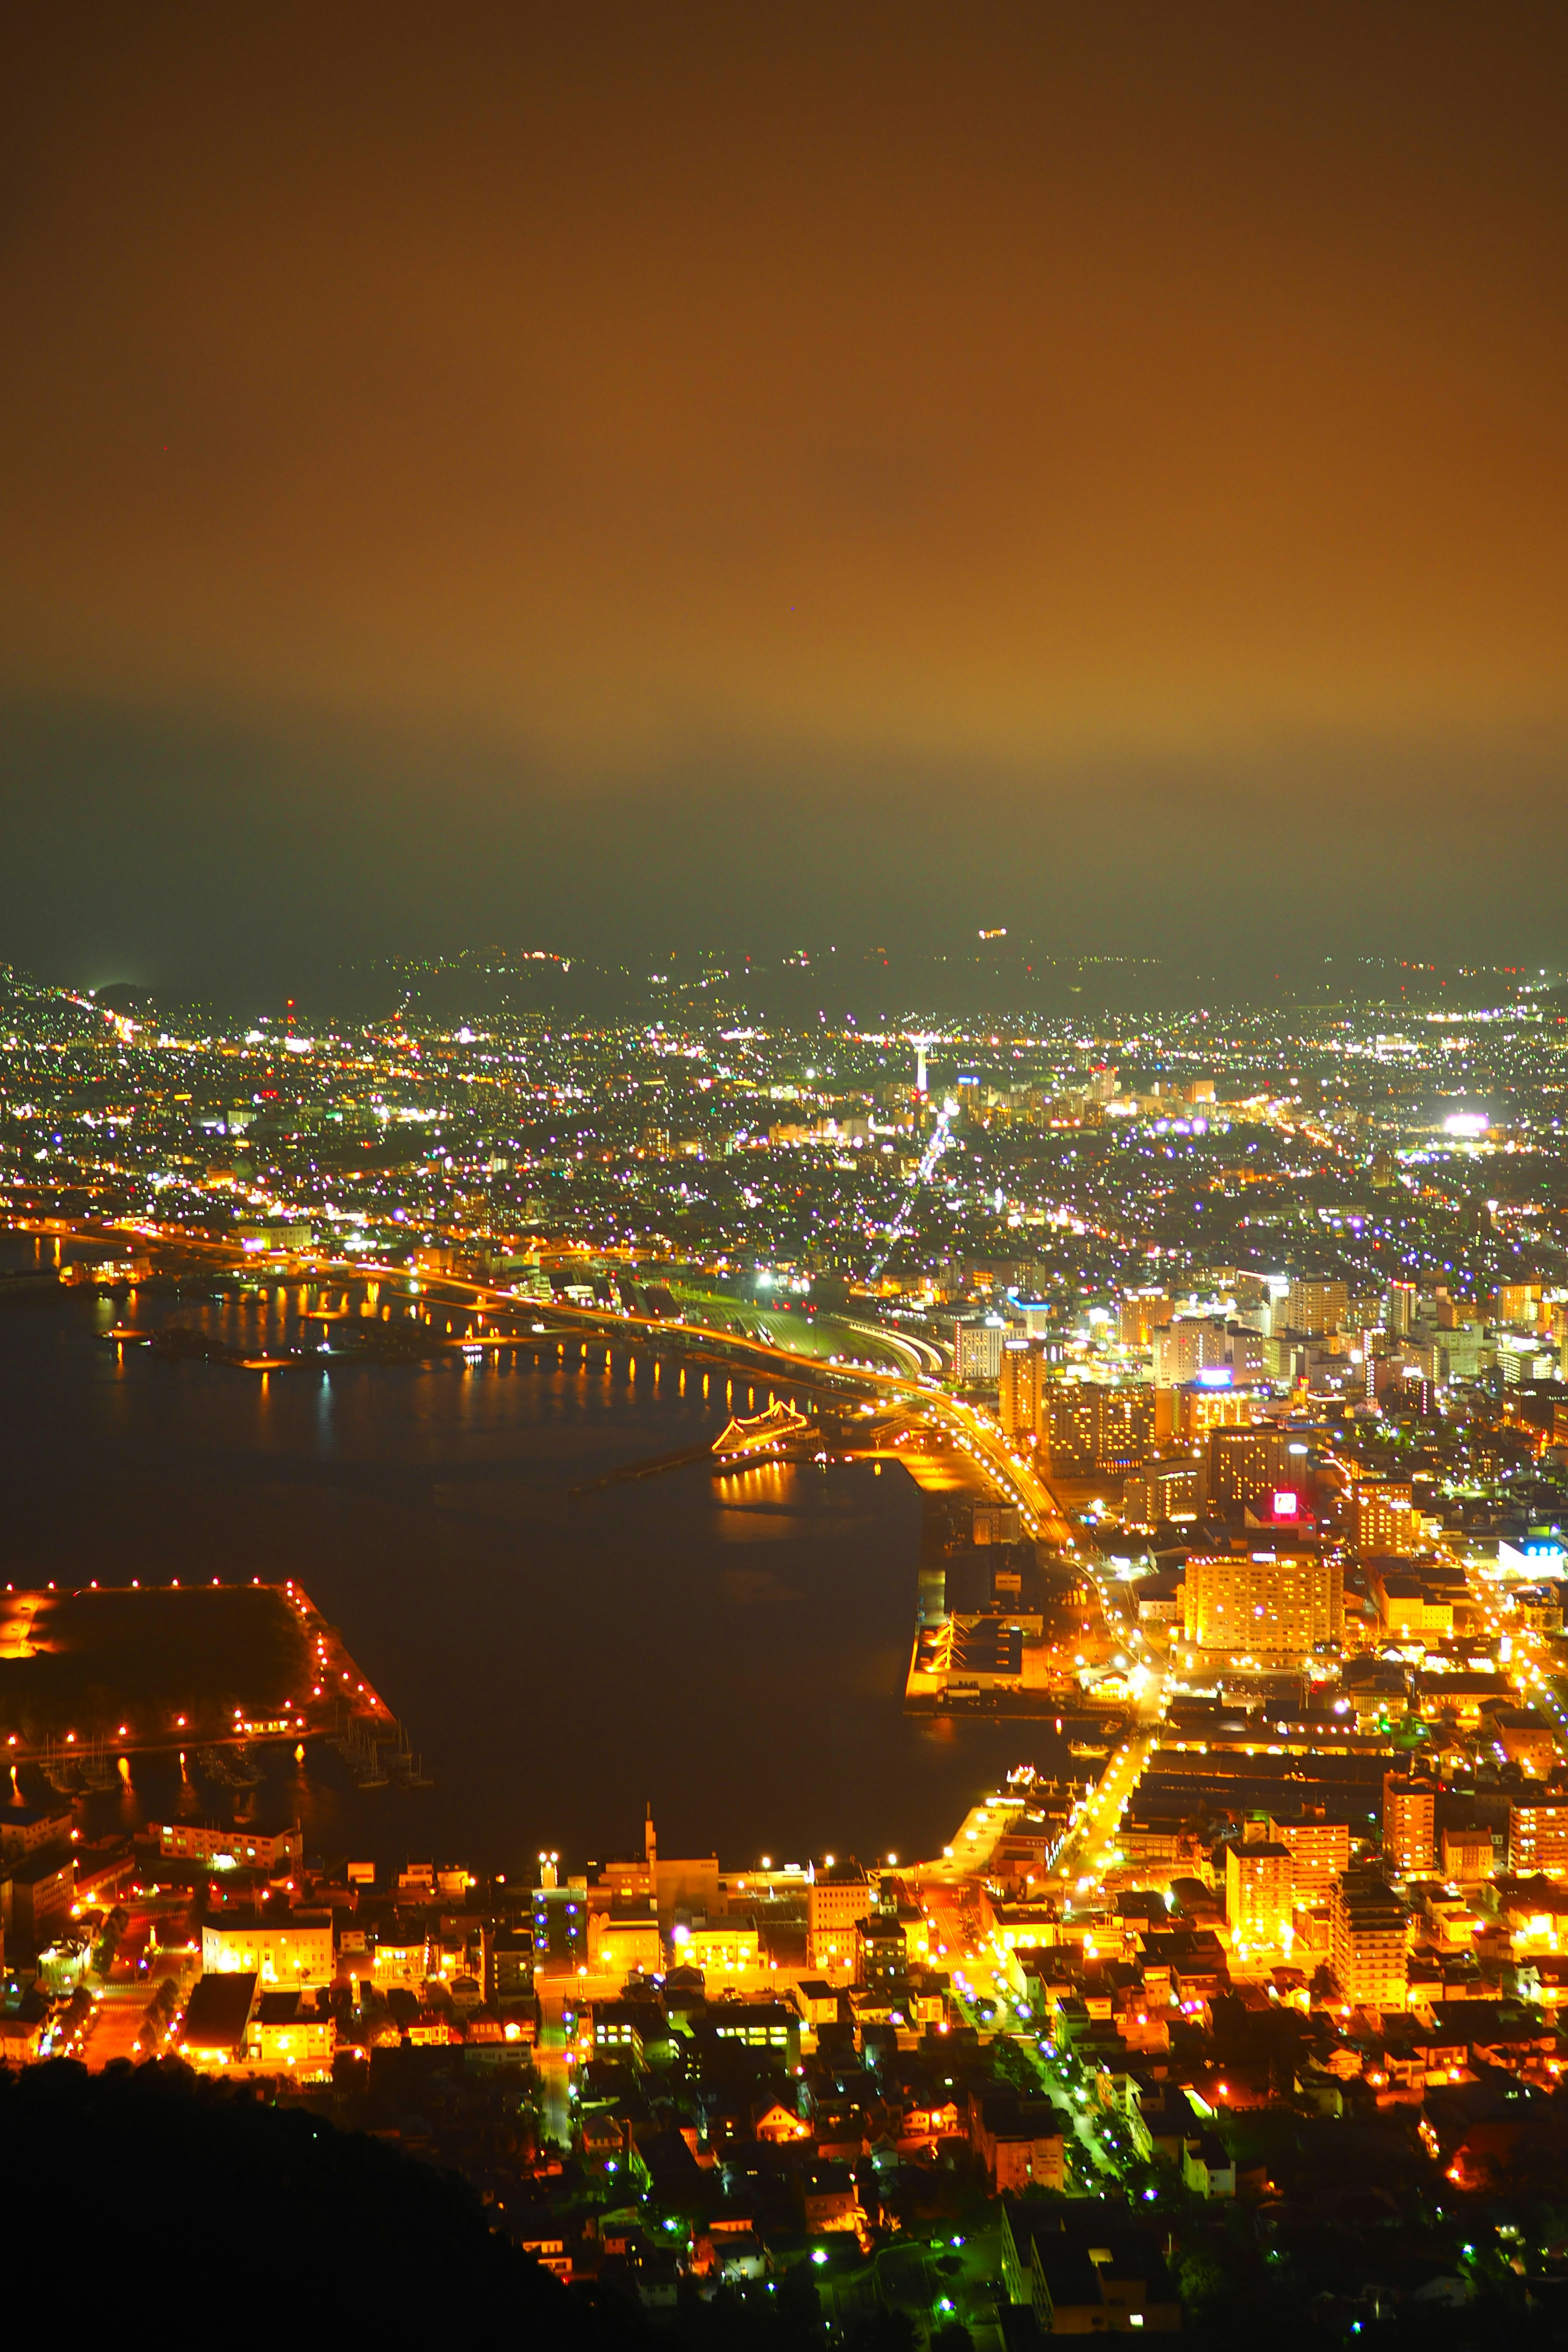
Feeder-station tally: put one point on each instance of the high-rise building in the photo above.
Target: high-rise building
(1141, 1316)
(1189, 1412)
(1538, 1841)
(1401, 1306)
(1385, 1519)
(1259, 1885)
(1266, 1605)
(1069, 1417)
(1316, 1308)
(1019, 1385)
(1161, 1491)
(1094, 1430)
(976, 1351)
(1125, 1430)
(1190, 1345)
(1519, 1304)
(1319, 1851)
(1367, 1938)
(1245, 1463)
(1409, 1818)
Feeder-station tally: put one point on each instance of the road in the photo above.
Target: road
(1531, 1664)
(1088, 1850)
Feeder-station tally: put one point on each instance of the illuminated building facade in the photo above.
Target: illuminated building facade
(1385, 1519)
(1244, 1464)
(1268, 1606)
(1315, 1309)
(1258, 1889)
(1319, 1851)
(297, 1954)
(1538, 1841)
(837, 1899)
(1367, 1940)
(1409, 1816)
(1018, 1399)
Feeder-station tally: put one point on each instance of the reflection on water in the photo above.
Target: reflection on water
(732, 1650)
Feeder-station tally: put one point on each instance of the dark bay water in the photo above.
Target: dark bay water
(732, 1651)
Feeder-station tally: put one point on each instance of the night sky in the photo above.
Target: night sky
(607, 476)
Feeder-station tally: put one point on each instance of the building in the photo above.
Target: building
(758, 2025)
(1319, 1850)
(614, 2028)
(298, 1951)
(1184, 1415)
(1019, 2141)
(1316, 1309)
(1367, 1936)
(729, 1945)
(881, 1951)
(1407, 1603)
(977, 1352)
(1401, 1308)
(1164, 1491)
(229, 1849)
(288, 2038)
(624, 1936)
(1138, 1317)
(1409, 1607)
(1244, 1464)
(1465, 1695)
(1117, 2283)
(402, 1956)
(508, 1965)
(1383, 1518)
(1468, 1855)
(1019, 1385)
(35, 1896)
(1540, 1607)
(838, 1897)
(24, 1829)
(1409, 1815)
(1094, 1430)
(1526, 1739)
(1208, 2168)
(1259, 1892)
(1188, 1346)
(1538, 1841)
(996, 1523)
(1265, 1605)
(215, 2036)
